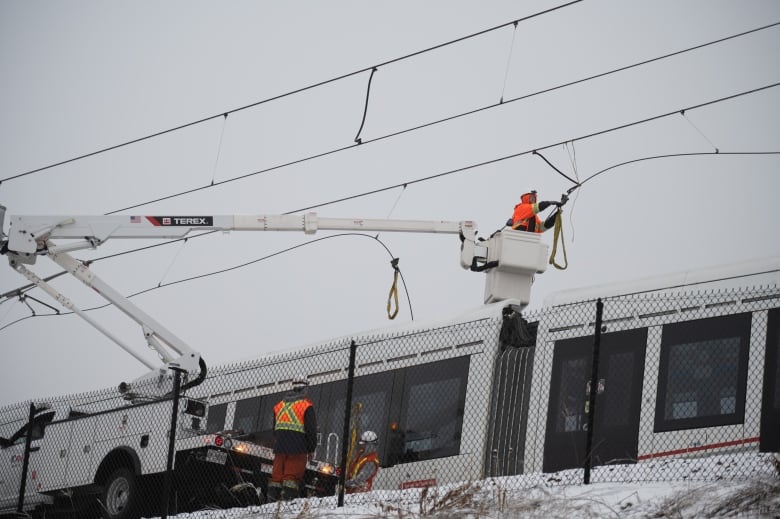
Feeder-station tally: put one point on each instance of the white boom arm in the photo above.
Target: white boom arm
(510, 259)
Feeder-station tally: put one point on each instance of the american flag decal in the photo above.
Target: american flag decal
(135, 219)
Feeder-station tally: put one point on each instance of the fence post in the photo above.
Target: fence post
(594, 388)
(26, 462)
(347, 420)
(171, 442)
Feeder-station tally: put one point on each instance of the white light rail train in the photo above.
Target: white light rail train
(689, 365)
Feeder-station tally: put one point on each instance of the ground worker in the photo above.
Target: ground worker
(295, 438)
(365, 466)
(524, 217)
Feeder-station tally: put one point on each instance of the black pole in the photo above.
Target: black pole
(347, 420)
(171, 442)
(594, 386)
(26, 462)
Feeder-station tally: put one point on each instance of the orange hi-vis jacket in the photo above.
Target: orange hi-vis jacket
(524, 218)
(362, 473)
(289, 415)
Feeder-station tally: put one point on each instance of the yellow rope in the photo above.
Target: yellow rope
(558, 233)
(393, 295)
(357, 410)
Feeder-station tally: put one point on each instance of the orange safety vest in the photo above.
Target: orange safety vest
(524, 218)
(372, 458)
(289, 415)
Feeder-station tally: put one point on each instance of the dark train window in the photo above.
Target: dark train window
(371, 399)
(245, 418)
(770, 401)
(216, 418)
(432, 410)
(703, 373)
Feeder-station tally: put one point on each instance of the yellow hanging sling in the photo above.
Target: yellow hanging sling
(558, 233)
(393, 295)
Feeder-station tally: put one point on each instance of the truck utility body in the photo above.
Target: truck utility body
(118, 453)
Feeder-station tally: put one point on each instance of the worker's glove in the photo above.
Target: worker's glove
(509, 223)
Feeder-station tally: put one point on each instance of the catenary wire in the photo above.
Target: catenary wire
(492, 161)
(440, 121)
(293, 92)
(530, 151)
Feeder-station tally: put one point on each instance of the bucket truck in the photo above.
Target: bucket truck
(113, 464)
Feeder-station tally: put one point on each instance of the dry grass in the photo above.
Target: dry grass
(759, 497)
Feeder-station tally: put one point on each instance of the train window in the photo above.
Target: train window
(703, 373)
(245, 418)
(431, 411)
(371, 400)
(216, 418)
(770, 401)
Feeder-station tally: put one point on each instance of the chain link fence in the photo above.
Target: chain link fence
(680, 386)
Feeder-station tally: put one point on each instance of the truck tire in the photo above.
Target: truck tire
(119, 499)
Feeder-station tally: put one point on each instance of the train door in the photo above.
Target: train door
(618, 400)
(770, 402)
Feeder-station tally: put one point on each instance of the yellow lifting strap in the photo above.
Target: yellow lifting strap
(558, 232)
(393, 295)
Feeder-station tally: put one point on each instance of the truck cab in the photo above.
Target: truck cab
(12, 450)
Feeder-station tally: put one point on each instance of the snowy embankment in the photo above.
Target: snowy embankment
(744, 485)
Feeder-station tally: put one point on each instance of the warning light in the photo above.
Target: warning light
(218, 441)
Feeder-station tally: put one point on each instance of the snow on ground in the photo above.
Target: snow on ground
(705, 488)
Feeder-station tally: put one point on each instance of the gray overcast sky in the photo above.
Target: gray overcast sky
(81, 76)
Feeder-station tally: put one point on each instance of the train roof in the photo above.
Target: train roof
(752, 273)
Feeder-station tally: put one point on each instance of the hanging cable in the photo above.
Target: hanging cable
(556, 169)
(365, 109)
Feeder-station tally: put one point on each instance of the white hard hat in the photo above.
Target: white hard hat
(369, 437)
(300, 381)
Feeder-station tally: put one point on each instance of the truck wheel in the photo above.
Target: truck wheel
(120, 495)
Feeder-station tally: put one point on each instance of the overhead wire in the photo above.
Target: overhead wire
(16, 292)
(222, 271)
(365, 142)
(293, 92)
(677, 155)
(404, 185)
(530, 151)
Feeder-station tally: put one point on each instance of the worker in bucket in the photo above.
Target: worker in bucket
(366, 465)
(295, 438)
(525, 216)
